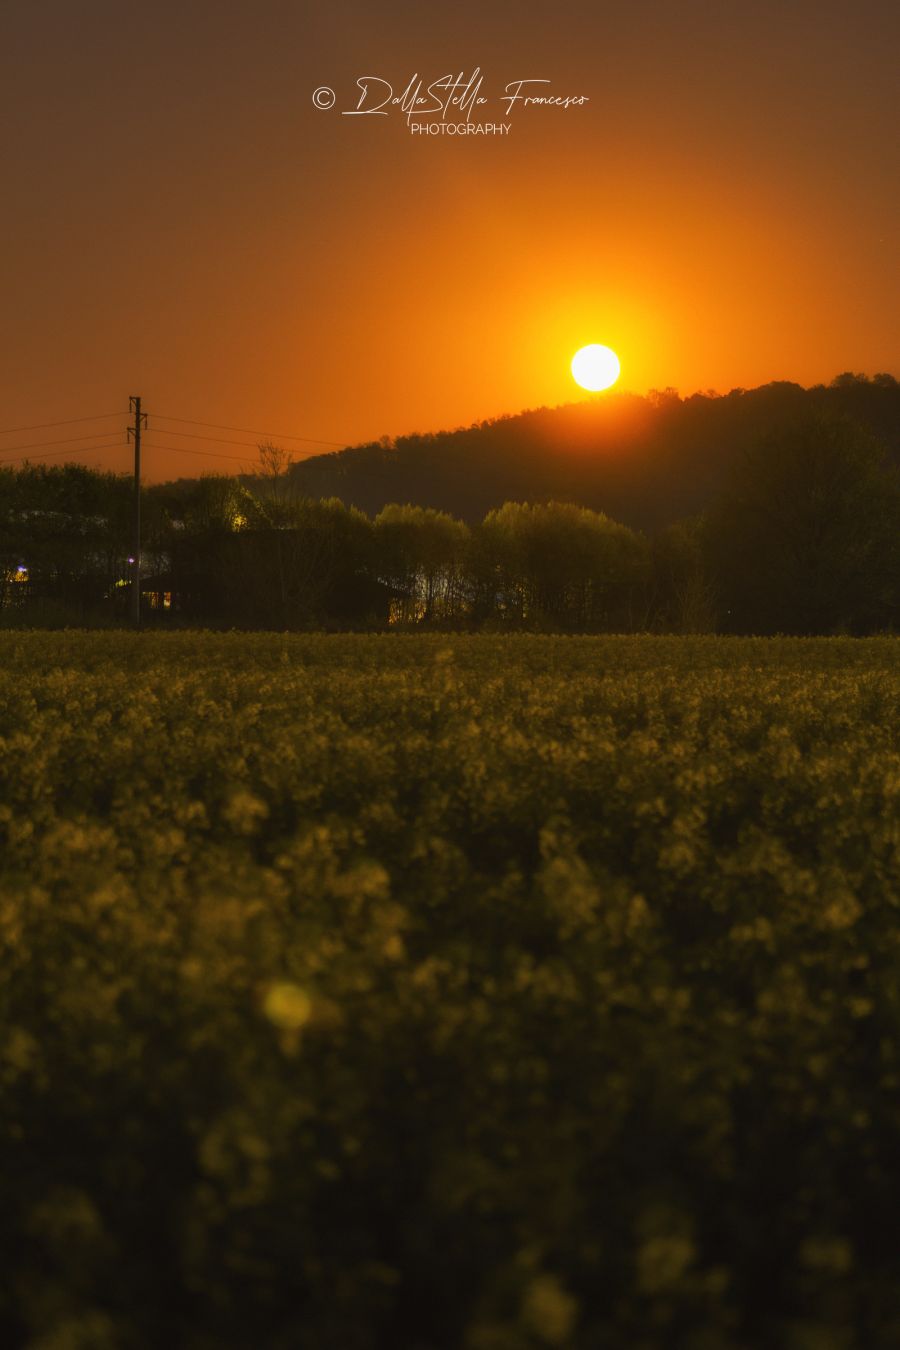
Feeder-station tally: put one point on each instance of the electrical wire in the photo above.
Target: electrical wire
(212, 454)
(215, 440)
(118, 445)
(67, 421)
(216, 426)
(192, 436)
(186, 450)
(65, 440)
(250, 431)
(52, 454)
(16, 453)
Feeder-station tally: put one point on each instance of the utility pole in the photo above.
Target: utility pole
(140, 421)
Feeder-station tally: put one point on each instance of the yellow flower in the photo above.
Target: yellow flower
(549, 1311)
(287, 1006)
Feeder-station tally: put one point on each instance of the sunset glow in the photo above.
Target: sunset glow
(450, 277)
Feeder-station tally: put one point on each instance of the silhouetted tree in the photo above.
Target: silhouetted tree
(422, 556)
(276, 489)
(314, 568)
(806, 539)
(68, 528)
(683, 594)
(646, 462)
(559, 565)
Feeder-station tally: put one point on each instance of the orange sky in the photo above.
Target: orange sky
(181, 222)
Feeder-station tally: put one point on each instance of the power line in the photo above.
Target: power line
(216, 440)
(67, 421)
(52, 454)
(250, 431)
(186, 450)
(117, 445)
(211, 454)
(192, 436)
(216, 426)
(65, 440)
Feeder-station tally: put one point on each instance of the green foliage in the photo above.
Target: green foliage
(562, 566)
(496, 993)
(422, 556)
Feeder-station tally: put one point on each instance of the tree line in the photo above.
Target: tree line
(804, 537)
(645, 461)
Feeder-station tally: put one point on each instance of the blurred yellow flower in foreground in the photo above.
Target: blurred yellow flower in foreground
(288, 1006)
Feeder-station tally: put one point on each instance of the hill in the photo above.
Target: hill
(644, 461)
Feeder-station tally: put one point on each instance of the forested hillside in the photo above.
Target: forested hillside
(644, 461)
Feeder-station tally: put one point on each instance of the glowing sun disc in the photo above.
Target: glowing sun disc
(595, 367)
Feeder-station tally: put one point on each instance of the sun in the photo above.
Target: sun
(595, 367)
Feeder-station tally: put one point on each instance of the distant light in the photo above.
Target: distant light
(131, 560)
(21, 568)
